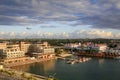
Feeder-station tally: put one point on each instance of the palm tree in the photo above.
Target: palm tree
(31, 78)
(58, 51)
(23, 75)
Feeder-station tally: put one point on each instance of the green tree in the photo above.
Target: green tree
(58, 51)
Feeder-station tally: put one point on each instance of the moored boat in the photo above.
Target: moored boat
(118, 57)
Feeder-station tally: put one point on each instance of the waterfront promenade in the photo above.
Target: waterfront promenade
(10, 74)
(26, 62)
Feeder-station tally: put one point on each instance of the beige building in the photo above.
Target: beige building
(25, 46)
(48, 50)
(11, 52)
(3, 45)
(42, 47)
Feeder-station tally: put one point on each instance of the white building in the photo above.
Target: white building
(72, 45)
(102, 48)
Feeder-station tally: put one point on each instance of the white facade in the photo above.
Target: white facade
(72, 45)
(102, 48)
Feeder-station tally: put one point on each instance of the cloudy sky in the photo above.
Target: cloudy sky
(59, 19)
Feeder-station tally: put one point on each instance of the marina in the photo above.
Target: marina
(59, 39)
(87, 69)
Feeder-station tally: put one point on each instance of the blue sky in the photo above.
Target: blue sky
(59, 19)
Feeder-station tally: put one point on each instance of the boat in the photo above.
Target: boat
(118, 57)
(71, 61)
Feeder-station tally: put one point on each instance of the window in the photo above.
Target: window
(11, 50)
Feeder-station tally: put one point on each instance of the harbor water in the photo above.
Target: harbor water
(86, 69)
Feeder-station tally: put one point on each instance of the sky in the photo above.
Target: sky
(60, 19)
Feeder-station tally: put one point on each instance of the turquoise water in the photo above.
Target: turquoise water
(93, 69)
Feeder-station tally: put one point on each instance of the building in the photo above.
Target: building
(27, 47)
(48, 50)
(1, 66)
(102, 47)
(3, 45)
(72, 45)
(24, 46)
(9, 53)
(43, 48)
(12, 53)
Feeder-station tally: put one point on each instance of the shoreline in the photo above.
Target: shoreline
(25, 62)
(8, 68)
(12, 74)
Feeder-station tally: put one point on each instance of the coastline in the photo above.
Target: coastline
(25, 62)
(8, 68)
(11, 74)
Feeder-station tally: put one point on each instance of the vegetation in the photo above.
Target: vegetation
(31, 78)
(58, 51)
(61, 42)
(51, 79)
(23, 76)
(112, 45)
(9, 73)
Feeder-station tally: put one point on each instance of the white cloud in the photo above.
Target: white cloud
(94, 33)
(100, 33)
(11, 34)
(117, 35)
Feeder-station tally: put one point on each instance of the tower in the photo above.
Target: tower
(22, 46)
